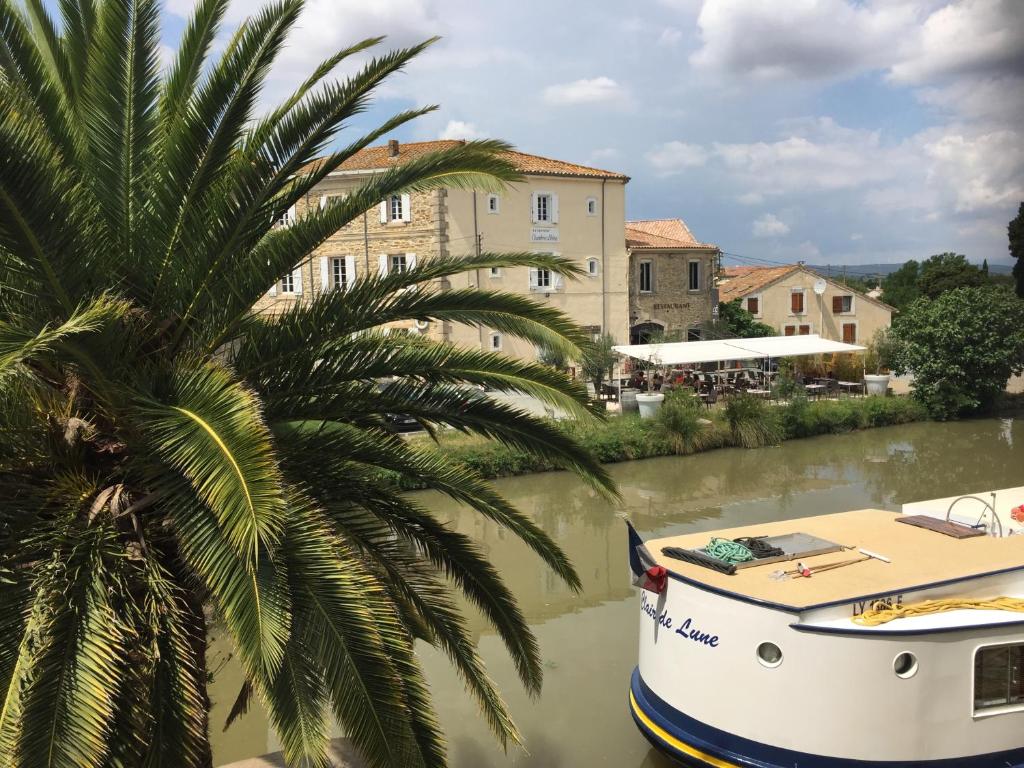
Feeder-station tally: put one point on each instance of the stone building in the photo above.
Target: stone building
(784, 298)
(671, 280)
(559, 207)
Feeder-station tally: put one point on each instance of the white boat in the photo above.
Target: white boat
(894, 656)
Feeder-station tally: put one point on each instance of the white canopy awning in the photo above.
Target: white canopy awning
(693, 352)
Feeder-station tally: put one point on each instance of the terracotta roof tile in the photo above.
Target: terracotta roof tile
(377, 158)
(661, 233)
(737, 282)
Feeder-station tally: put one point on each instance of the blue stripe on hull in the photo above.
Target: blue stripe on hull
(693, 743)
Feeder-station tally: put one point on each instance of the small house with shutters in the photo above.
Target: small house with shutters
(784, 298)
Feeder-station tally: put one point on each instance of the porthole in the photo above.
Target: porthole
(769, 654)
(905, 665)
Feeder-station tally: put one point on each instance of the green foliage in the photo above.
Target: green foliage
(683, 423)
(882, 352)
(170, 458)
(900, 288)
(752, 422)
(554, 357)
(1015, 234)
(740, 323)
(945, 272)
(598, 360)
(961, 348)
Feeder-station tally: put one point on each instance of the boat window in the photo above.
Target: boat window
(905, 665)
(769, 654)
(998, 676)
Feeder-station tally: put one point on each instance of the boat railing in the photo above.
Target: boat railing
(987, 507)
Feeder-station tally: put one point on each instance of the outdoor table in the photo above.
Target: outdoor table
(765, 393)
(814, 389)
(852, 386)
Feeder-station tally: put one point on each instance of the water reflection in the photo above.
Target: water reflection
(589, 640)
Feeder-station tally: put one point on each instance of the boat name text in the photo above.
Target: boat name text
(685, 629)
(877, 604)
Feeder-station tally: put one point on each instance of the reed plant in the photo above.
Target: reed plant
(752, 422)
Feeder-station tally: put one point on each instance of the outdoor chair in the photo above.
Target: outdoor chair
(712, 397)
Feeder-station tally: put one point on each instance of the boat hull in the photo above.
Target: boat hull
(692, 743)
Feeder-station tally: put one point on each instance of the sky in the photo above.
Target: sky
(831, 131)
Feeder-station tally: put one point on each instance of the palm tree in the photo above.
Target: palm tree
(170, 459)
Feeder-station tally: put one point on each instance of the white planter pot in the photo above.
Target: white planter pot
(876, 384)
(627, 401)
(649, 403)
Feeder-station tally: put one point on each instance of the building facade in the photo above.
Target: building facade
(672, 289)
(562, 208)
(784, 298)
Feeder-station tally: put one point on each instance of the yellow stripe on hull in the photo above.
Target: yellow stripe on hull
(675, 743)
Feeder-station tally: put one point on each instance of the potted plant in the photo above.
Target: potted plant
(878, 357)
(649, 402)
(598, 363)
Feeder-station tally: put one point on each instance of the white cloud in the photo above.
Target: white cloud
(808, 251)
(604, 155)
(458, 129)
(981, 171)
(670, 36)
(675, 157)
(750, 198)
(769, 225)
(856, 236)
(593, 90)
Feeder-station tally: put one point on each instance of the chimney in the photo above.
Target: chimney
(392, 147)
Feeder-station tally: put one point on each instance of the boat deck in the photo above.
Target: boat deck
(919, 557)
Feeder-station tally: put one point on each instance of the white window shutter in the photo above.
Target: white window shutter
(383, 211)
(556, 281)
(297, 279)
(533, 207)
(350, 271)
(382, 263)
(533, 277)
(406, 208)
(324, 275)
(554, 209)
(323, 202)
(273, 289)
(410, 260)
(291, 214)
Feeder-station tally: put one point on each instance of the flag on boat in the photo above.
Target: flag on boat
(645, 571)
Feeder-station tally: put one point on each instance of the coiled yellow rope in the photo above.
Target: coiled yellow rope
(873, 617)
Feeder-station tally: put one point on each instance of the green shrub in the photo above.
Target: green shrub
(752, 422)
(797, 420)
(681, 422)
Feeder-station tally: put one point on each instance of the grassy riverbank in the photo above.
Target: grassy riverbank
(624, 438)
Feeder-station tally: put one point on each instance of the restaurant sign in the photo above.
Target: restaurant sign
(544, 235)
(683, 305)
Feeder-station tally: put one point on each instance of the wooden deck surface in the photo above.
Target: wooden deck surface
(919, 557)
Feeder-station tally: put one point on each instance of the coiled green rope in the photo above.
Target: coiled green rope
(728, 551)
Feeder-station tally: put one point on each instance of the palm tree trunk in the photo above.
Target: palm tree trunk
(199, 647)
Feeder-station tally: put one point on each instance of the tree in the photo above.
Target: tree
(169, 458)
(598, 361)
(961, 348)
(737, 322)
(1015, 231)
(946, 271)
(899, 288)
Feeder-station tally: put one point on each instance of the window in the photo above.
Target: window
(694, 275)
(591, 206)
(495, 341)
(804, 330)
(396, 208)
(397, 262)
(288, 283)
(842, 305)
(287, 218)
(593, 267)
(754, 305)
(495, 271)
(796, 302)
(998, 677)
(493, 204)
(543, 209)
(789, 330)
(339, 272)
(540, 278)
(326, 200)
(646, 277)
(849, 333)
(694, 334)
(794, 330)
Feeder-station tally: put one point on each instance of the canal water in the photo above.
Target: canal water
(588, 641)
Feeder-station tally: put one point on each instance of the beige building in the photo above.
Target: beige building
(562, 208)
(671, 280)
(784, 298)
